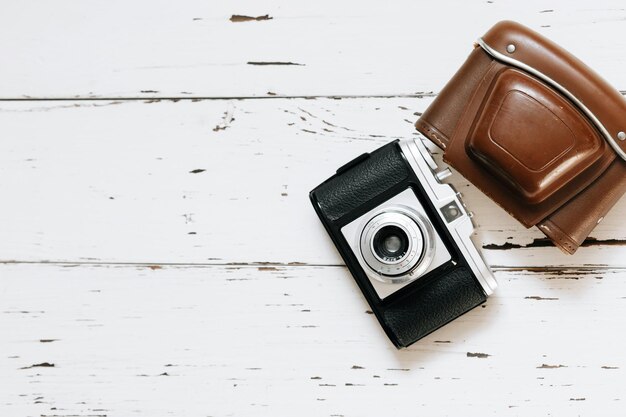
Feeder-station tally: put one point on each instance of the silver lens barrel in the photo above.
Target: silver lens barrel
(397, 243)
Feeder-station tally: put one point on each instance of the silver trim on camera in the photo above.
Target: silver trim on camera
(444, 197)
(419, 234)
(433, 253)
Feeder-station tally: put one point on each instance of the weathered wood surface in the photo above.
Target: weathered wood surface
(117, 48)
(100, 181)
(159, 255)
(249, 341)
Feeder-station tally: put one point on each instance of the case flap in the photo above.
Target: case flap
(539, 190)
(531, 138)
(517, 45)
(569, 214)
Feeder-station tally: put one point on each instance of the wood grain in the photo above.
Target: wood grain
(215, 182)
(193, 341)
(159, 255)
(116, 48)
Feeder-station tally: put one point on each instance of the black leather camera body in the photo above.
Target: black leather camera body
(405, 237)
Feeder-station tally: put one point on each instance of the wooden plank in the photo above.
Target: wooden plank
(273, 341)
(104, 181)
(192, 48)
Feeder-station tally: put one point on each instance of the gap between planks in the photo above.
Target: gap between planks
(217, 98)
(276, 265)
(202, 98)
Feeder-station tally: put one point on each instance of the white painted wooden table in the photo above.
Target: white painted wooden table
(159, 252)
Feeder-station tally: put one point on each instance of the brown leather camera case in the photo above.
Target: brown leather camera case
(536, 130)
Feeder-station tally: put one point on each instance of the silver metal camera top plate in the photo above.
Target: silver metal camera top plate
(442, 196)
(353, 232)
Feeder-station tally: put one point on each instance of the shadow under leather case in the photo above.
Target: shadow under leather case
(536, 130)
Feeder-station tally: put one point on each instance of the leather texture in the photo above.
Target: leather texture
(362, 180)
(523, 209)
(439, 120)
(604, 101)
(571, 224)
(429, 302)
(519, 114)
(434, 305)
(523, 143)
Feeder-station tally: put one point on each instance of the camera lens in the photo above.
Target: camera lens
(397, 244)
(391, 243)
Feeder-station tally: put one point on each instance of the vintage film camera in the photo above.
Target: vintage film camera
(405, 236)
